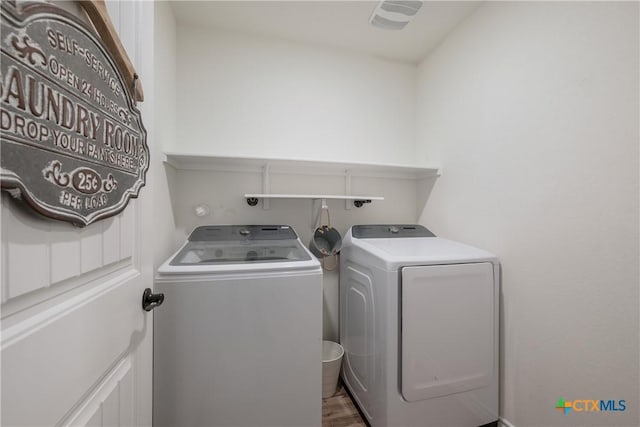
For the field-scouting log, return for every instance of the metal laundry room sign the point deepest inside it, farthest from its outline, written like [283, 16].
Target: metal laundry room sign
[73, 143]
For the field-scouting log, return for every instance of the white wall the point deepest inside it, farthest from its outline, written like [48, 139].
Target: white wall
[164, 97]
[247, 96]
[532, 111]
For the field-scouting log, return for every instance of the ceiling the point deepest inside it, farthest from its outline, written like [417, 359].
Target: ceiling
[339, 24]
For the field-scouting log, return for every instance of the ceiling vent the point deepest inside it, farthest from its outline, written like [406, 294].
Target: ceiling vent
[394, 15]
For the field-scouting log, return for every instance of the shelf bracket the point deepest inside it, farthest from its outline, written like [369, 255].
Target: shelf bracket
[347, 189]
[360, 203]
[266, 185]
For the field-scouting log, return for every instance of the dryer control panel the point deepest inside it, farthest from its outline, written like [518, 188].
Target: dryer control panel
[386, 231]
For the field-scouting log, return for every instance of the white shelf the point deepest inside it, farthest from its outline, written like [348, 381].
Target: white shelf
[311, 196]
[268, 167]
[187, 161]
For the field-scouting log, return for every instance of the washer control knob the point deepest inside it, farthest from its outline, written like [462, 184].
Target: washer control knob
[244, 232]
[394, 229]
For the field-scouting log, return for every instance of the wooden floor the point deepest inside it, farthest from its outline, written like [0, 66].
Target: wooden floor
[340, 411]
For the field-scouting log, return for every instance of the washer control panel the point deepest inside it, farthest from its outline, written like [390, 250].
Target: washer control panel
[233, 233]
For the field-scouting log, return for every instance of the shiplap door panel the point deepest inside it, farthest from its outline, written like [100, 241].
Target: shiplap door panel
[41, 254]
[75, 341]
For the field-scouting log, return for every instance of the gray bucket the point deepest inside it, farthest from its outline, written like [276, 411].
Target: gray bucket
[326, 241]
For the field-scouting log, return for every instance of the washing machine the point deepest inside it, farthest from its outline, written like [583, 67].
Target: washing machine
[238, 340]
[419, 326]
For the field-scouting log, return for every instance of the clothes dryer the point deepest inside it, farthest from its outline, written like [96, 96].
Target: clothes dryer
[238, 340]
[419, 326]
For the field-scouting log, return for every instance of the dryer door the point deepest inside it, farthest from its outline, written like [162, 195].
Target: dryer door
[448, 329]
[358, 335]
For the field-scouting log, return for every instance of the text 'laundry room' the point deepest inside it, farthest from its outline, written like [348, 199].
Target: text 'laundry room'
[320, 213]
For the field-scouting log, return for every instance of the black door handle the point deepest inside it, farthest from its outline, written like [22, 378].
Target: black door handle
[151, 300]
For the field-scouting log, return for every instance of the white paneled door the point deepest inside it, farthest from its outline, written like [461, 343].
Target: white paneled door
[76, 345]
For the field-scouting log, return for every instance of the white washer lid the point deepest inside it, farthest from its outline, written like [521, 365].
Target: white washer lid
[170, 270]
[240, 249]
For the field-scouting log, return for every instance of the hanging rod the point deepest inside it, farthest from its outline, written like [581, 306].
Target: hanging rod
[358, 201]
